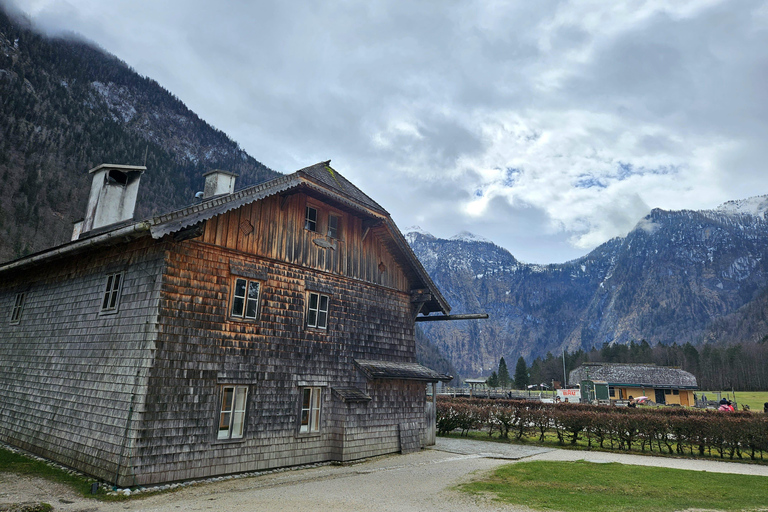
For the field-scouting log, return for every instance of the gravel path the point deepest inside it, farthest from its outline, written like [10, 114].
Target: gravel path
[421, 481]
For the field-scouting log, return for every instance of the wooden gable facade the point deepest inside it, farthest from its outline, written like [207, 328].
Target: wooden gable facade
[264, 328]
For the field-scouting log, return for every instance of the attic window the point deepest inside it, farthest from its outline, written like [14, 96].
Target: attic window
[333, 226]
[310, 220]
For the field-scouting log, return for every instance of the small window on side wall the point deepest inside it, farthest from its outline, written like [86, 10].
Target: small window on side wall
[317, 311]
[309, 419]
[245, 299]
[234, 400]
[18, 307]
[111, 298]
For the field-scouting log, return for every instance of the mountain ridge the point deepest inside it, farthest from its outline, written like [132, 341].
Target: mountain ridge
[678, 277]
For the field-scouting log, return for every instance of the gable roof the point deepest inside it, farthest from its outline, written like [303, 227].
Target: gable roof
[319, 180]
[628, 374]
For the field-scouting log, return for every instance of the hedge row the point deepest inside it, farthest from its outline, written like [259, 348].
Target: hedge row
[672, 430]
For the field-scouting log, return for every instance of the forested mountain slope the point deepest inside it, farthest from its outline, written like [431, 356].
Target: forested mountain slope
[67, 106]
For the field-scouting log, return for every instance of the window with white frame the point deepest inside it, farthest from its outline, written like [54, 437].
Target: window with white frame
[309, 419]
[112, 288]
[232, 416]
[18, 306]
[245, 299]
[317, 310]
[310, 219]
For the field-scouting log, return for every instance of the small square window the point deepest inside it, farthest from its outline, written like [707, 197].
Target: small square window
[334, 225]
[234, 400]
[317, 311]
[245, 299]
[310, 220]
[675, 391]
[112, 288]
[309, 419]
[18, 307]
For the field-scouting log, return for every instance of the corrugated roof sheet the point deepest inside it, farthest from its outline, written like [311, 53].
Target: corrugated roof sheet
[634, 374]
[405, 371]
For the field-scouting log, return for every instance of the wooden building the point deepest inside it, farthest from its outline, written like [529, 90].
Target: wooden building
[268, 327]
[662, 384]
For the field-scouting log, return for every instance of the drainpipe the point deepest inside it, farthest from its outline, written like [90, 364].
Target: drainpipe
[127, 428]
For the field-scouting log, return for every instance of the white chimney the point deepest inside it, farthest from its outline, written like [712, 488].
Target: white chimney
[113, 196]
[218, 182]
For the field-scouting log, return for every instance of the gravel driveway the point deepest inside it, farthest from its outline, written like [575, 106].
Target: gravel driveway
[420, 481]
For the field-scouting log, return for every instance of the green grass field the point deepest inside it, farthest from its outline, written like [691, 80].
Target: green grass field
[590, 487]
[754, 399]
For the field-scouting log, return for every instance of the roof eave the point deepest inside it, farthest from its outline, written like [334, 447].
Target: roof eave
[118, 235]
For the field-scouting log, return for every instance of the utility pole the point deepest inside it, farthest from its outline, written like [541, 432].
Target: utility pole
[565, 375]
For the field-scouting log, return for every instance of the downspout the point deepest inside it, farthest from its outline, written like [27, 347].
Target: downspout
[127, 428]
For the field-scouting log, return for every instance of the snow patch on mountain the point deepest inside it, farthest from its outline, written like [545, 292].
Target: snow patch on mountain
[466, 236]
[757, 206]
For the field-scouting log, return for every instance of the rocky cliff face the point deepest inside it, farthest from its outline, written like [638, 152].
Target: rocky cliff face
[679, 276]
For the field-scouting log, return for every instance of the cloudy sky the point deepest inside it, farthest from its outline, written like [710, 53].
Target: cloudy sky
[547, 127]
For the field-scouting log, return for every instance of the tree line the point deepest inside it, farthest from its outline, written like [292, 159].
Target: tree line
[741, 367]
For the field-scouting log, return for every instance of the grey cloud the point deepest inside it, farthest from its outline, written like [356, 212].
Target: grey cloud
[418, 103]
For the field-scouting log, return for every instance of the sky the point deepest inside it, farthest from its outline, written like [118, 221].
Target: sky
[547, 127]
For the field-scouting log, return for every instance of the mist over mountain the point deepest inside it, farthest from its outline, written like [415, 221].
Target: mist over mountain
[677, 277]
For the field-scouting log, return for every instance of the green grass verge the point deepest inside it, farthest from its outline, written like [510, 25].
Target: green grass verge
[591, 487]
[11, 462]
[551, 441]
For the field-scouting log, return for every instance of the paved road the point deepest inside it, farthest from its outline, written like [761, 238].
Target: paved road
[421, 481]
[515, 452]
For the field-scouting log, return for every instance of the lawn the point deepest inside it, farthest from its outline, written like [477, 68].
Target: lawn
[11, 462]
[754, 399]
[592, 487]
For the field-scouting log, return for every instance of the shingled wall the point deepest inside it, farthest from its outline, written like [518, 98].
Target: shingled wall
[134, 397]
[199, 348]
[71, 377]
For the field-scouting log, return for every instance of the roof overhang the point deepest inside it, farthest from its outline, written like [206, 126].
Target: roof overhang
[401, 371]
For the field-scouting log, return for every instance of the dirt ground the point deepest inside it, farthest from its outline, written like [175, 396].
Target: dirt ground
[423, 481]
[420, 481]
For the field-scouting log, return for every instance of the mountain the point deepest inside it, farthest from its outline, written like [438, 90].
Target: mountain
[67, 106]
[677, 277]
